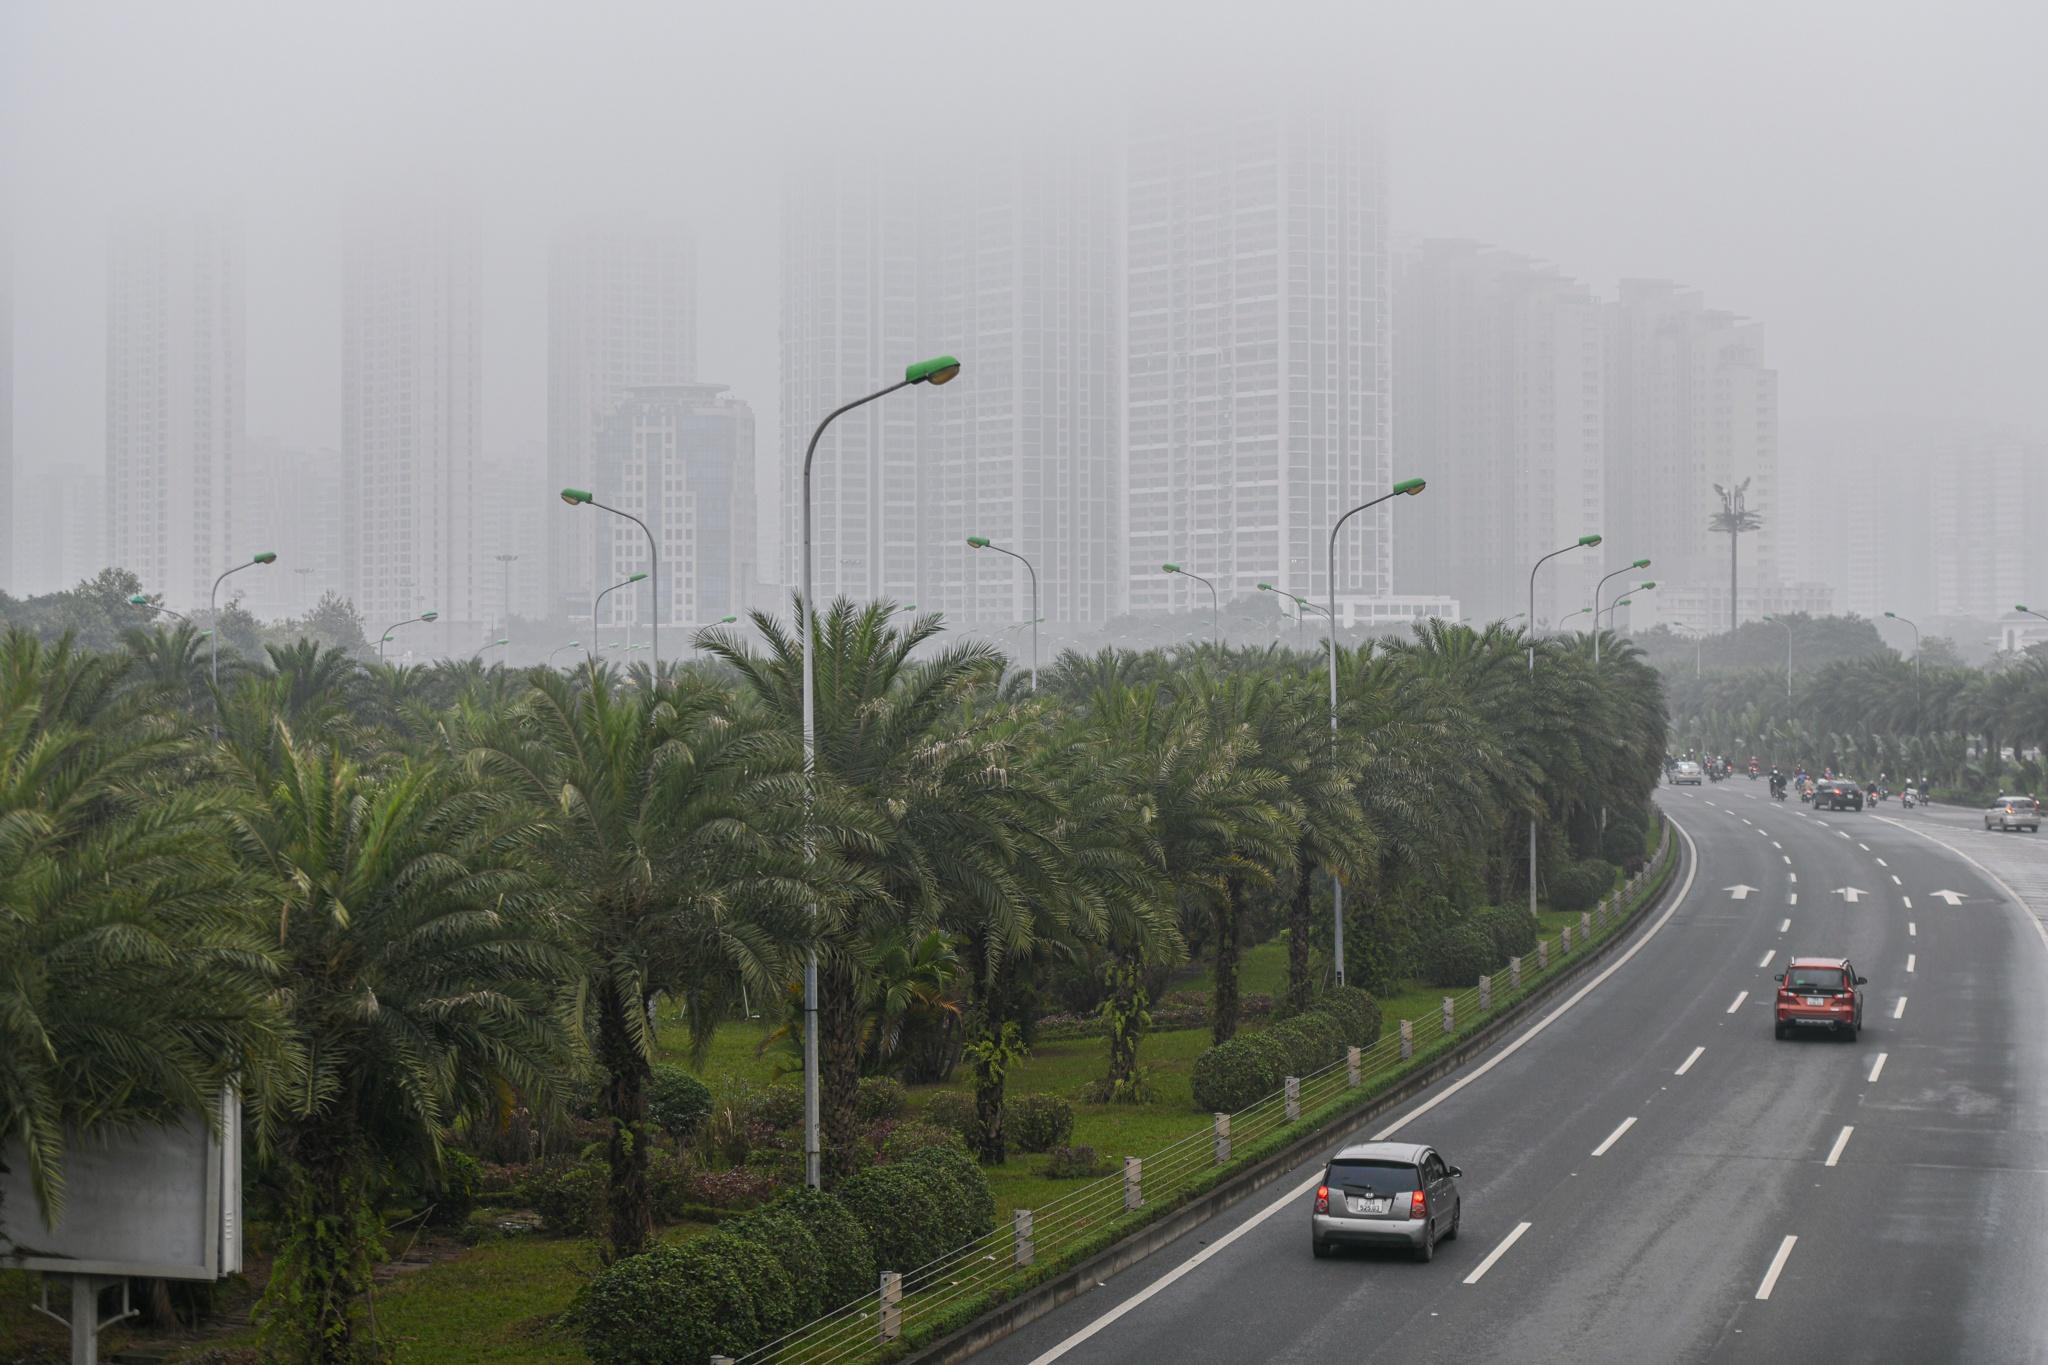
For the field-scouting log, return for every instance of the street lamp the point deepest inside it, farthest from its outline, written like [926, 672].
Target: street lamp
[1215, 607]
[1894, 616]
[142, 600]
[1626, 568]
[581, 497]
[938, 370]
[984, 543]
[1301, 604]
[629, 578]
[1405, 488]
[573, 644]
[505, 604]
[1640, 587]
[1581, 611]
[492, 645]
[1582, 543]
[1788, 652]
[212, 609]
[423, 616]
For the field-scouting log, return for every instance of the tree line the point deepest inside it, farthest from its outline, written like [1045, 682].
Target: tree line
[393, 904]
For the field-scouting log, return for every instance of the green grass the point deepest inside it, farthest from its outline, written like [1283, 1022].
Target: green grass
[497, 1302]
[1261, 970]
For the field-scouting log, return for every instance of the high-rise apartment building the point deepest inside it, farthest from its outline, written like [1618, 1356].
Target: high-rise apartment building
[64, 542]
[1499, 381]
[622, 313]
[517, 508]
[1258, 370]
[10, 502]
[174, 401]
[1986, 504]
[681, 458]
[411, 375]
[291, 502]
[1690, 404]
[1007, 259]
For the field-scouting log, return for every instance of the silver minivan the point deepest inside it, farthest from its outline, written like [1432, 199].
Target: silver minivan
[1391, 1194]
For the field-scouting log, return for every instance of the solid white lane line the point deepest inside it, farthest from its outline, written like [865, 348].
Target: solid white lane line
[1491, 1256]
[1835, 1152]
[1767, 958]
[1293, 1197]
[1786, 925]
[1909, 962]
[1738, 1002]
[1912, 929]
[1877, 1067]
[1899, 1010]
[1686, 1065]
[1763, 1291]
[1615, 1136]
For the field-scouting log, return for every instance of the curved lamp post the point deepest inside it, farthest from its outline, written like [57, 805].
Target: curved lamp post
[1582, 543]
[212, 610]
[1301, 604]
[492, 645]
[938, 370]
[1779, 620]
[423, 616]
[1581, 611]
[579, 497]
[1611, 606]
[1405, 488]
[1627, 568]
[984, 543]
[1215, 607]
[599, 601]
[142, 600]
[573, 644]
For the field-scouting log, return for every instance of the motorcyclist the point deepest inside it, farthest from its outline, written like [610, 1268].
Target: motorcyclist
[1777, 785]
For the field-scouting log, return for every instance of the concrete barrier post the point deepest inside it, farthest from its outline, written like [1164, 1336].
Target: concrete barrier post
[890, 1318]
[1564, 939]
[1134, 1183]
[1351, 1066]
[1222, 1139]
[1542, 954]
[1585, 926]
[1515, 972]
[1449, 1024]
[1020, 1220]
[1485, 993]
[1407, 1039]
[1293, 1098]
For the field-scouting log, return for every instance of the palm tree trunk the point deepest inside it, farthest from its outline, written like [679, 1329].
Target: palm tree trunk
[323, 1265]
[991, 1068]
[839, 1024]
[1126, 1010]
[1298, 932]
[628, 1204]
[1224, 1008]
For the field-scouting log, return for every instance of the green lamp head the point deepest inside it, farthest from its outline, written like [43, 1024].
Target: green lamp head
[496, 643]
[575, 496]
[1267, 587]
[978, 542]
[138, 600]
[1893, 615]
[1589, 540]
[1640, 564]
[1624, 601]
[1169, 568]
[1411, 486]
[266, 557]
[2021, 607]
[430, 616]
[1651, 584]
[635, 577]
[939, 369]
[727, 620]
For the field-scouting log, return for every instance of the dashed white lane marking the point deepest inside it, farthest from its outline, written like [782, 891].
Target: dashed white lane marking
[1776, 844]
[1786, 925]
[1823, 824]
[1793, 875]
[1788, 860]
[1738, 1002]
[1843, 832]
[1747, 821]
[1835, 1152]
[1792, 899]
[1865, 847]
[1763, 1291]
[1896, 881]
[1767, 958]
[1491, 1256]
[1882, 863]
[1615, 1136]
[1912, 929]
[1909, 961]
[1877, 1067]
[1686, 1065]
[1899, 1010]
[1908, 900]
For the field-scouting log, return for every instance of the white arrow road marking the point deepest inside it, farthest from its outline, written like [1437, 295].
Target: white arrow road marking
[1835, 1152]
[1615, 1136]
[1767, 958]
[1899, 1010]
[1786, 925]
[1954, 898]
[1740, 893]
[1493, 1255]
[1851, 894]
[1763, 1291]
[1686, 1065]
[1877, 1067]
[1909, 961]
[1738, 1002]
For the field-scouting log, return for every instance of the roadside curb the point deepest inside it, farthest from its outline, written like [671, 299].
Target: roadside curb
[1040, 1299]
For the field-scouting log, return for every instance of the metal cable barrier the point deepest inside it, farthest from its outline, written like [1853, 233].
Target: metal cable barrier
[918, 1304]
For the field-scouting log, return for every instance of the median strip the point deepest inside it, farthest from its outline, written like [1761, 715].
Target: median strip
[1496, 1253]
[1763, 1291]
[1835, 1152]
[1615, 1136]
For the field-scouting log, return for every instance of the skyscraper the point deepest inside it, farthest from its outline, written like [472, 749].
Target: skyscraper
[1258, 374]
[411, 375]
[174, 405]
[65, 541]
[622, 313]
[1008, 259]
[1498, 381]
[290, 500]
[9, 500]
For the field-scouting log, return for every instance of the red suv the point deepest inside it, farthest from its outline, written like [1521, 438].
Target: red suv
[1820, 992]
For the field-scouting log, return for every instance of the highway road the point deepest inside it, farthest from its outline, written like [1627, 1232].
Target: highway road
[1753, 1200]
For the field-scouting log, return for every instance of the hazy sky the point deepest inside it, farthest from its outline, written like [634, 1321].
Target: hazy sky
[1867, 179]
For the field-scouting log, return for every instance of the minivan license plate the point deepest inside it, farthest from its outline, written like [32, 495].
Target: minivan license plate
[1357, 1205]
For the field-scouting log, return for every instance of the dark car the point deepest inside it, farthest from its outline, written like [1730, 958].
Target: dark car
[1837, 794]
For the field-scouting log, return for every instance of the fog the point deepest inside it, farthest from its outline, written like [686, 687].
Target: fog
[1866, 180]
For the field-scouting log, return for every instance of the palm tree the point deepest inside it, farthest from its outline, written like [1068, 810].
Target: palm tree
[423, 974]
[670, 828]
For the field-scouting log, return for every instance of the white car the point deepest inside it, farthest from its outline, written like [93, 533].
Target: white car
[2013, 812]
[1687, 773]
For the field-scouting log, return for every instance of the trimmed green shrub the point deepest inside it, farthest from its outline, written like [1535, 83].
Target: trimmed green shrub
[1357, 1014]
[1460, 954]
[906, 1140]
[951, 1109]
[1039, 1123]
[453, 1197]
[568, 1197]
[1239, 1072]
[681, 1305]
[1312, 1041]
[1580, 885]
[773, 1106]
[1625, 841]
[977, 1199]
[1512, 929]
[677, 1102]
[954, 1194]
[842, 1241]
[879, 1098]
[761, 1271]
[900, 1211]
[1074, 1163]
[790, 1242]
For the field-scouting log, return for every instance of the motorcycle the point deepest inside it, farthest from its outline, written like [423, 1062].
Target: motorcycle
[1778, 792]
[1909, 799]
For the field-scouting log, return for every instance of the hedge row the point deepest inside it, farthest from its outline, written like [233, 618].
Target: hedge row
[1251, 1066]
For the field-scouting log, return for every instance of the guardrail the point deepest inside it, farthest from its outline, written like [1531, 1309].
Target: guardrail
[911, 1307]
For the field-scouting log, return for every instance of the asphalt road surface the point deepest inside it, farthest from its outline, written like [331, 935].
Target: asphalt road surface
[1755, 1200]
